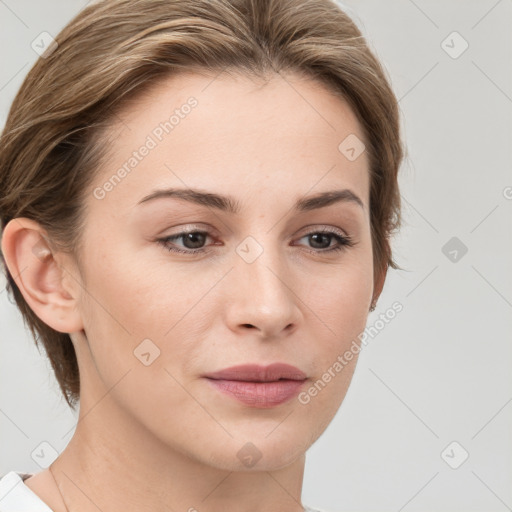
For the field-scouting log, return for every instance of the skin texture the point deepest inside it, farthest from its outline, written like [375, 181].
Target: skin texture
[159, 437]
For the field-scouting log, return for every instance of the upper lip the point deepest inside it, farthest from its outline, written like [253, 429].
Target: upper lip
[258, 373]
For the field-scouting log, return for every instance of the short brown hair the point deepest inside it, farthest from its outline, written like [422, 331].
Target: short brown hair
[52, 144]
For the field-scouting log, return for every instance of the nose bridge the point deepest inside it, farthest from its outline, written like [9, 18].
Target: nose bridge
[263, 296]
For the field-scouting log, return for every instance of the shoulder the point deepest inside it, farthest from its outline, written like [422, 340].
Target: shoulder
[15, 495]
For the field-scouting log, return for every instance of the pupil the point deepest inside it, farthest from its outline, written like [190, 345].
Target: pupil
[315, 237]
[192, 237]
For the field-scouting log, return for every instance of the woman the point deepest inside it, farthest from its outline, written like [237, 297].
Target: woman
[197, 203]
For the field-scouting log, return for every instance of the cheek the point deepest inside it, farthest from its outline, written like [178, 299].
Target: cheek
[340, 314]
[115, 306]
[342, 300]
[128, 301]
[132, 295]
[339, 311]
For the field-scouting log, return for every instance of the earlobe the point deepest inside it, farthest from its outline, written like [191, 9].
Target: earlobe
[39, 274]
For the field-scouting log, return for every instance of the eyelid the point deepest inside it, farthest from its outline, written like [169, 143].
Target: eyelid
[186, 228]
[315, 228]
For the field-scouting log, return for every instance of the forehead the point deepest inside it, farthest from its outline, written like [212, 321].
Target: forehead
[231, 132]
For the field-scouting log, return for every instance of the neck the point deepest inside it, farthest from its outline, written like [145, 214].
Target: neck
[113, 463]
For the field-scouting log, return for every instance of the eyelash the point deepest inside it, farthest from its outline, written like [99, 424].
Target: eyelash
[344, 241]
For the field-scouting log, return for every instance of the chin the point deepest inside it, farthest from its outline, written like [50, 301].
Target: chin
[258, 452]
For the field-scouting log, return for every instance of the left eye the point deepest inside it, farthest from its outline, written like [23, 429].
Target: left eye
[326, 237]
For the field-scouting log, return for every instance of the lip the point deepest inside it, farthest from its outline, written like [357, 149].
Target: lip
[258, 373]
[259, 386]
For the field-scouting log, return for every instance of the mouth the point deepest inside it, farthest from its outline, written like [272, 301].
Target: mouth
[259, 386]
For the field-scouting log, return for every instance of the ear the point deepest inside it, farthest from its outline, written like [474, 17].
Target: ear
[46, 279]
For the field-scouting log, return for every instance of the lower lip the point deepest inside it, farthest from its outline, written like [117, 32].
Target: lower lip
[259, 394]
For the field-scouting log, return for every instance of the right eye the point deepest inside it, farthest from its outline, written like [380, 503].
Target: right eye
[192, 240]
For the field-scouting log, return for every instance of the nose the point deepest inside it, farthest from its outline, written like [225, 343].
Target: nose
[262, 296]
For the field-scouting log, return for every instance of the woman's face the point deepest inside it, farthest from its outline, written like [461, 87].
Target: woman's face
[257, 283]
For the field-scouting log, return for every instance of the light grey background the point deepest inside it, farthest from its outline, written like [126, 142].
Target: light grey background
[440, 371]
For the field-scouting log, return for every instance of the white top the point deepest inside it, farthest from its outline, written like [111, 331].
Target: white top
[15, 496]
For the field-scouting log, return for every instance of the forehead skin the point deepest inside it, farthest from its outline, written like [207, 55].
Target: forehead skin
[281, 137]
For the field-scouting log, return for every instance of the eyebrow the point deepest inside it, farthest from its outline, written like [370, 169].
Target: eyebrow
[231, 205]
